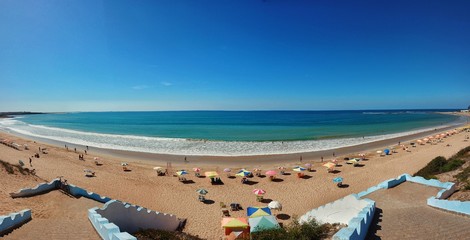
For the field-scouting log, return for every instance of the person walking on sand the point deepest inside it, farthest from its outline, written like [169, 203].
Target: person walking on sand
[300, 158]
[30, 162]
[321, 158]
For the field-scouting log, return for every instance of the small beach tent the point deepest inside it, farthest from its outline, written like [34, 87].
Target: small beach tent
[258, 211]
[387, 151]
[263, 223]
[238, 225]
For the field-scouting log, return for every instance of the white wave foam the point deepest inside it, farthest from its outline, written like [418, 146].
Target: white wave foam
[177, 146]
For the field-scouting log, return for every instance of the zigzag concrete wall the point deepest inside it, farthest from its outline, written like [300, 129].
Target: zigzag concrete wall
[358, 226]
[13, 220]
[107, 230]
[130, 218]
[339, 211]
[77, 191]
[454, 206]
[39, 189]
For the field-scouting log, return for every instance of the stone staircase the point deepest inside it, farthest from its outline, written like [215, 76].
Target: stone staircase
[68, 220]
[402, 213]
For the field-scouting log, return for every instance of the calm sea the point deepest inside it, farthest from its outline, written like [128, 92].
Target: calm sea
[227, 133]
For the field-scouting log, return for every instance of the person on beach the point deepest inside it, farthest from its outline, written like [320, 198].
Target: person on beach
[300, 158]
[321, 158]
[85, 152]
[30, 162]
[86, 147]
[333, 154]
[75, 149]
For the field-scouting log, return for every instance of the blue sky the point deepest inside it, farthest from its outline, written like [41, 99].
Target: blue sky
[233, 55]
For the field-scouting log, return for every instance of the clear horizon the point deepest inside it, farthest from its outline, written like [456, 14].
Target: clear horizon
[81, 56]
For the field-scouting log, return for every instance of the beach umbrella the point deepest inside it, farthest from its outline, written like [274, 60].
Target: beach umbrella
[258, 191]
[211, 174]
[329, 165]
[308, 165]
[181, 172]
[387, 151]
[338, 179]
[258, 211]
[243, 173]
[298, 169]
[256, 170]
[379, 152]
[227, 170]
[271, 173]
[96, 158]
[263, 223]
[426, 139]
[275, 205]
[196, 169]
[234, 222]
[352, 161]
[202, 191]
[281, 168]
[158, 169]
[124, 164]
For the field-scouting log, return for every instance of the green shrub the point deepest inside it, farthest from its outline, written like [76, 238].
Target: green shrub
[295, 231]
[451, 165]
[464, 175]
[153, 234]
[432, 168]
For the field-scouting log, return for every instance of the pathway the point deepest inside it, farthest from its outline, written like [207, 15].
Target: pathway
[402, 213]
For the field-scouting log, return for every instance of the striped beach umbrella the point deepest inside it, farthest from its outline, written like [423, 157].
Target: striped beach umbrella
[227, 170]
[258, 191]
[181, 172]
[196, 169]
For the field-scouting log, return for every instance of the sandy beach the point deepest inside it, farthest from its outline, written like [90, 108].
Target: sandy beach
[143, 187]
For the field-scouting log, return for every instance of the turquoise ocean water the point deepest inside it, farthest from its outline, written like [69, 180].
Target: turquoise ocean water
[227, 133]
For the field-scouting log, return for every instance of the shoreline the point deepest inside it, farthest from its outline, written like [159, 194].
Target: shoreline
[248, 160]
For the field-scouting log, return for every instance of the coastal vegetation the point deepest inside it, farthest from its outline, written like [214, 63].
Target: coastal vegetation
[311, 230]
[12, 168]
[459, 162]
[294, 231]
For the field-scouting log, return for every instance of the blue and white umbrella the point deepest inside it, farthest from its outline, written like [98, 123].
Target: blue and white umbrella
[338, 180]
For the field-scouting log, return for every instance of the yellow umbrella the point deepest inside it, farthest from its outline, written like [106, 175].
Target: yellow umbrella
[329, 165]
[211, 174]
[234, 222]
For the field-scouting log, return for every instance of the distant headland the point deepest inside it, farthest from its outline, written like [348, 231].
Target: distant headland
[10, 114]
